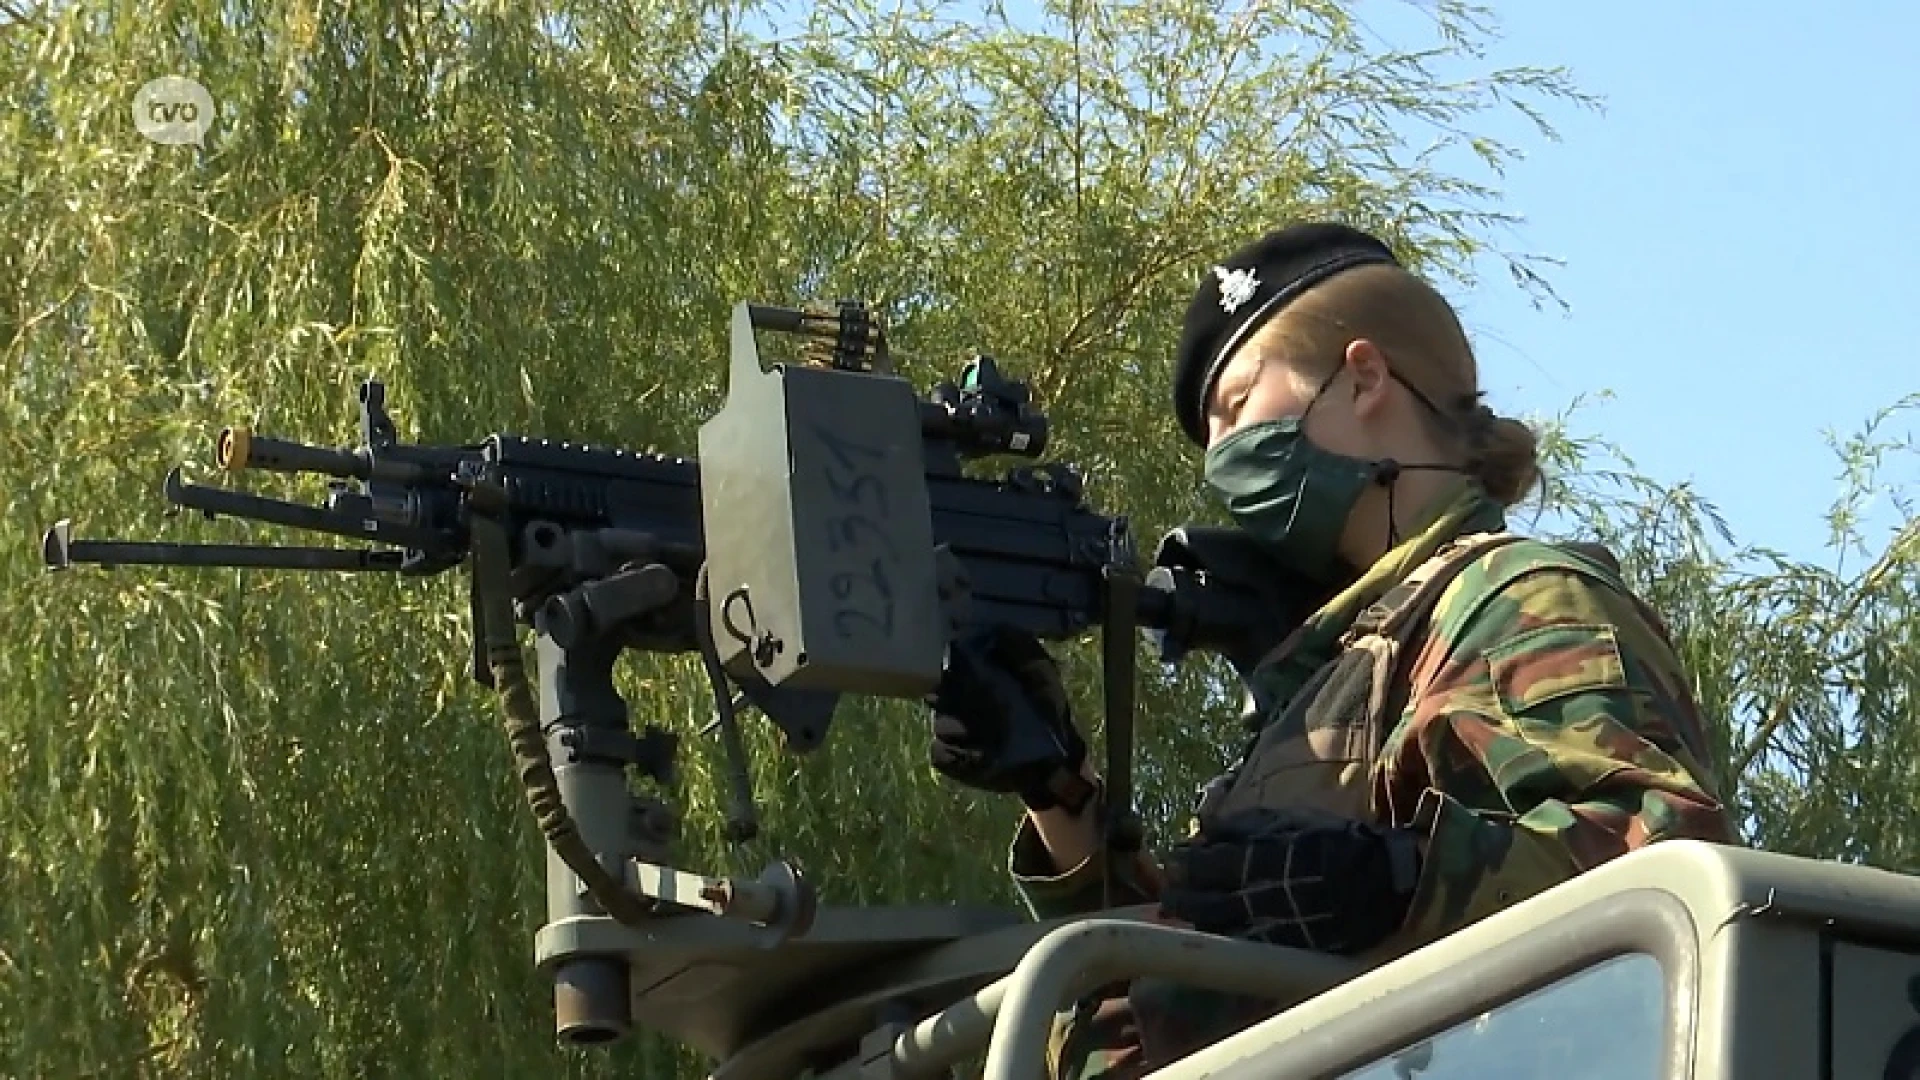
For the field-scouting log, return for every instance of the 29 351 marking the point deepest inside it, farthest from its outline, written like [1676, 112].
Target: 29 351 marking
[863, 590]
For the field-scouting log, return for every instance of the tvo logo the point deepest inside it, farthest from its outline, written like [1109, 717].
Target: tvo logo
[173, 110]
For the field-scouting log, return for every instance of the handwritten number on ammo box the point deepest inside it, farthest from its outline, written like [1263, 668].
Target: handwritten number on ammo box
[856, 538]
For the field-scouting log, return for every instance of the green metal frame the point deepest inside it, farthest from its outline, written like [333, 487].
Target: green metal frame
[1773, 967]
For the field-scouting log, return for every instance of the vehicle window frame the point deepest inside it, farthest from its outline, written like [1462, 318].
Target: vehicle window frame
[1513, 1032]
[1643, 920]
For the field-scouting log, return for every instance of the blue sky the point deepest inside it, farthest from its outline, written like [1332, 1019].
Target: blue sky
[1738, 225]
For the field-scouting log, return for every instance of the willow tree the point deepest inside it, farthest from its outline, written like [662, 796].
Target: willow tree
[262, 824]
[1809, 665]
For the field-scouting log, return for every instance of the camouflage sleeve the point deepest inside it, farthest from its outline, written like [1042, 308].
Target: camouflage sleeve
[1050, 893]
[1551, 730]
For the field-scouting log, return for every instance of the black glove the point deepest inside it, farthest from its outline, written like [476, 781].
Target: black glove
[1001, 722]
[1300, 878]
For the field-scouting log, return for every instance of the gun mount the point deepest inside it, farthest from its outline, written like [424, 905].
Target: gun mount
[827, 541]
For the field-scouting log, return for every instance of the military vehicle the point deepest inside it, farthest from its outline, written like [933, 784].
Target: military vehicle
[1680, 961]
[829, 541]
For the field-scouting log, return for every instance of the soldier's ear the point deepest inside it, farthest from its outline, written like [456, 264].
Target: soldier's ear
[1368, 375]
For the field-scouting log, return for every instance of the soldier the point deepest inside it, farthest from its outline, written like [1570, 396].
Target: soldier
[1470, 717]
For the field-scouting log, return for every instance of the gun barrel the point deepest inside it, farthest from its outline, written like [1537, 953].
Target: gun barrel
[239, 449]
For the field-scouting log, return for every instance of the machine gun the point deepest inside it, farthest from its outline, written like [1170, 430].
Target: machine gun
[827, 541]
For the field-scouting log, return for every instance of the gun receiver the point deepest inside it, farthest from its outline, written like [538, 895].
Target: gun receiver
[827, 541]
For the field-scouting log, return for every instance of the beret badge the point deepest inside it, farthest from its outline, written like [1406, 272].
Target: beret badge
[1236, 287]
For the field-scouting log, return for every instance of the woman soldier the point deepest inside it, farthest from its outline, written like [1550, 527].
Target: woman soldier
[1471, 718]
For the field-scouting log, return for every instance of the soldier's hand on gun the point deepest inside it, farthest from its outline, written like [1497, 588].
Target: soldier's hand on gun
[1299, 878]
[1001, 720]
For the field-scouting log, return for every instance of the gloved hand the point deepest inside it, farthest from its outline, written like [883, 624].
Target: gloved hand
[1300, 878]
[1002, 724]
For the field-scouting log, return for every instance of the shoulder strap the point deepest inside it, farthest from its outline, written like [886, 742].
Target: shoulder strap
[1403, 609]
[1402, 613]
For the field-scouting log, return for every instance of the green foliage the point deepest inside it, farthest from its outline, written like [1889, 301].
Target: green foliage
[262, 825]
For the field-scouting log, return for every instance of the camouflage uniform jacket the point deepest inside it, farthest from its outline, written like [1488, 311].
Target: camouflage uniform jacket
[1534, 722]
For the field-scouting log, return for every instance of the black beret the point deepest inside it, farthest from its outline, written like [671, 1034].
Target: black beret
[1239, 294]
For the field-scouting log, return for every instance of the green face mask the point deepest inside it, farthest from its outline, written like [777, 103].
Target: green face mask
[1289, 494]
